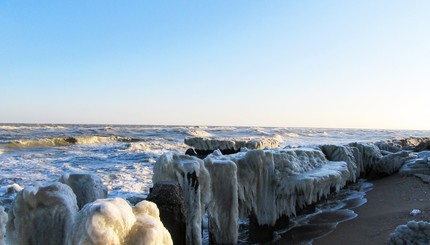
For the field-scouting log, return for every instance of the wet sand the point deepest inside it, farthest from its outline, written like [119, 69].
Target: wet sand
[389, 205]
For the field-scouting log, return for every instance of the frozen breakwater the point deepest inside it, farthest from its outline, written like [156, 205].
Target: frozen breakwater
[268, 183]
[273, 183]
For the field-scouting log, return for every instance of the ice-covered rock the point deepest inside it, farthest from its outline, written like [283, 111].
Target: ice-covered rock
[388, 146]
[3, 221]
[414, 232]
[87, 187]
[345, 154]
[391, 163]
[41, 215]
[191, 173]
[114, 221]
[229, 145]
[223, 207]
[415, 166]
[370, 160]
[274, 183]
[415, 212]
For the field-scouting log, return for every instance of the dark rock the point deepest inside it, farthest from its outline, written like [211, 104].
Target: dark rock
[265, 233]
[170, 201]
[191, 152]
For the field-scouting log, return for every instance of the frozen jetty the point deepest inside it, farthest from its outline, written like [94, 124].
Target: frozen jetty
[271, 183]
[268, 183]
[206, 146]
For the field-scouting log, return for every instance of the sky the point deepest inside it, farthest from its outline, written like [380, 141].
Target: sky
[335, 64]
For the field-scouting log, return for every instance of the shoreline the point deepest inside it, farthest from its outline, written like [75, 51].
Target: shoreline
[388, 205]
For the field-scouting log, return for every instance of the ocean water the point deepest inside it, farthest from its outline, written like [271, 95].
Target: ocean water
[124, 155]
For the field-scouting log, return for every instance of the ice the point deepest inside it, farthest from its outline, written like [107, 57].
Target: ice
[41, 215]
[225, 144]
[268, 183]
[367, 158]
[87, 187]
[3, 221]
[414, 232]
[192, 175]
[415, 212]
[346, 154]
[223, 206]
[415, 166]
[114, 221]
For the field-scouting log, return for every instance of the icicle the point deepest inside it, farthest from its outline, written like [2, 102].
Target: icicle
[223, 207]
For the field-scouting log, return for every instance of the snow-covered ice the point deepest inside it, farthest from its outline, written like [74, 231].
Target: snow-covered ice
[114, 221]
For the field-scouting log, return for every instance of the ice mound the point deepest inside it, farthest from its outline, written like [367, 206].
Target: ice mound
[41, 215]
[193, 177]
[3, 221]
[114, 221]
[87, 187]
[411, 143]
[229, 145]
[414, 232]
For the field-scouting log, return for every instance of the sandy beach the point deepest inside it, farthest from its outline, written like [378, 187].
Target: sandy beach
[389, 205]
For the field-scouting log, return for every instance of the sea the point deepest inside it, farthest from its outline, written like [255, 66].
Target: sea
[124, 155]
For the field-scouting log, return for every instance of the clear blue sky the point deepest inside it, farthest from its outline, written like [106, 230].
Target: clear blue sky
[353, 64]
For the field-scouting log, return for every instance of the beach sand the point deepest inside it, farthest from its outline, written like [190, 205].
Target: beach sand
[389, 205]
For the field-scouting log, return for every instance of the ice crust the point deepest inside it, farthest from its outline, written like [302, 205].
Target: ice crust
[41, 215]
[414, 232]
[223, 206]
[211, 144]
[3, 221]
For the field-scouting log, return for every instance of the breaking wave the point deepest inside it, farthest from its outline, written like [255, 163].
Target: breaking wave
[199, 133]
[67, 141]
[138, 147]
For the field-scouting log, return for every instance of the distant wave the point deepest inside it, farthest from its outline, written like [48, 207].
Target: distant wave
[30, 127]
[137, 147]
[67, 141]
[199, 133]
